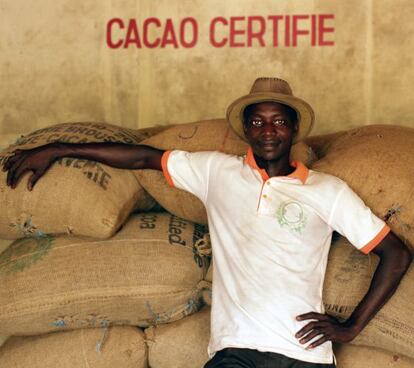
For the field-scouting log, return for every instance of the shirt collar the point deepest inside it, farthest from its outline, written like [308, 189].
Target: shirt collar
[301, 171]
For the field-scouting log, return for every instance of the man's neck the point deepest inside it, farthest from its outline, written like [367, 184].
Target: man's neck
[279, 167]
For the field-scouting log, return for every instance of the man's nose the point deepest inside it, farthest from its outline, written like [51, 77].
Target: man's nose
[269, 129]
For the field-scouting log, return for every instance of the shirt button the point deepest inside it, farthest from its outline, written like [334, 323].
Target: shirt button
[268, 183]
[264, 195]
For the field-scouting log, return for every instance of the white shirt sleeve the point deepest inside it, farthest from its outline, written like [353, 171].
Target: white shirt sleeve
[354, 220]
[189, 171]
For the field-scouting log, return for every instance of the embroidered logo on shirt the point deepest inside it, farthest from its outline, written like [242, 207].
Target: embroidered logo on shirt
[290, 214]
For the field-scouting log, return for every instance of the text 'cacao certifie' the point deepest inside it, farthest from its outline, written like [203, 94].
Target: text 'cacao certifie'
[237, 31]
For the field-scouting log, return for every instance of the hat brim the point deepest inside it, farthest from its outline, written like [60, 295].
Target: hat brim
[306, 115]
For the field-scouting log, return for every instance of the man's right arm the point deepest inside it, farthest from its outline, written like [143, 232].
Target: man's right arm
[119, 155]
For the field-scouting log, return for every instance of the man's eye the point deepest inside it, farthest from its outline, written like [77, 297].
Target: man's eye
[257, 123]
[279, 122]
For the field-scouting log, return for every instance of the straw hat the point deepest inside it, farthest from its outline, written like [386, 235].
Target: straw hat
[271, 89]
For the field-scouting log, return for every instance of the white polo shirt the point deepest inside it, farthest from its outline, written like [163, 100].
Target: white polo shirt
[270, 239]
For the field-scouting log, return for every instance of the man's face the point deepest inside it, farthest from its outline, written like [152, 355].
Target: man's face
[270, 130]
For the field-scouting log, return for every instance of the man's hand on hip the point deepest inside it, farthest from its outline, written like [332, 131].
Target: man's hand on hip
[326, 327]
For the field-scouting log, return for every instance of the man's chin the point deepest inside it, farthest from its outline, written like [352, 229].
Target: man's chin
[268, 155]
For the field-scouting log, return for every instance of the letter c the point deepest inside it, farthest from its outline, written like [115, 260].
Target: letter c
[213, 30]
[147, 43]
[109, 35]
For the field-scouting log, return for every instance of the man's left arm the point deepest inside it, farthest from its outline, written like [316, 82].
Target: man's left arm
[395, 258]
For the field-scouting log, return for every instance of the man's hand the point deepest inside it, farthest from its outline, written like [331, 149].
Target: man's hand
[327, 327]
[37, 160]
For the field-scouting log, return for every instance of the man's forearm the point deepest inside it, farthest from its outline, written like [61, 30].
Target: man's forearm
[117, 155]
[394, 262]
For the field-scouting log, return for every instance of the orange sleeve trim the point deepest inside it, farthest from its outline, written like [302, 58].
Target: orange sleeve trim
[378, 238]
[164, 161]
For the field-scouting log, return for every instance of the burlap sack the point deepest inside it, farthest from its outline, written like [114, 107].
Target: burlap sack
[208, 135]
[320, 143]
[75, 196]
[349, 356]
[209, 274]
[145, 133]
[180, 344]
[78, 132]
[121, 347]
[4, 243]
[347, 280]
[85, 132]
[3, 339]
[148, 273]
[378, 163]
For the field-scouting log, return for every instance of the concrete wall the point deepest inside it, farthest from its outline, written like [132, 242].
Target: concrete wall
[56, 65]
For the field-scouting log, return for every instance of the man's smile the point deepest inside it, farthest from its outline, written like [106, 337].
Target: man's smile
[269, 143]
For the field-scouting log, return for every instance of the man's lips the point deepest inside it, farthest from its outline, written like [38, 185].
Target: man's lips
[269, 143]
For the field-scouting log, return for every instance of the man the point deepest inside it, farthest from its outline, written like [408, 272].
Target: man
[270, 222]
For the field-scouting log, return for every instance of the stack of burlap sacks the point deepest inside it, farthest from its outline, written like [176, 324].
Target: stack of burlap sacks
[113, 267]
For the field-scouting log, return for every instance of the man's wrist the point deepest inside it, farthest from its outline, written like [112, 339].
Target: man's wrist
[355, 327]
[58, 150]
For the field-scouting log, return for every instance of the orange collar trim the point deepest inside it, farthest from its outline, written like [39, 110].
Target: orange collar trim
[301, 172]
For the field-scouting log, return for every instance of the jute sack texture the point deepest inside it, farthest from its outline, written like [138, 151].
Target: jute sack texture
[145, 133]
[85, 132]
[122, 347]
[206, 135]
[320, 143]
[349, 356]
[347, 280]
[75, 196]
[4, 243]
[377, 162]
[148, 273]
[209, 274]
[180, 344]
